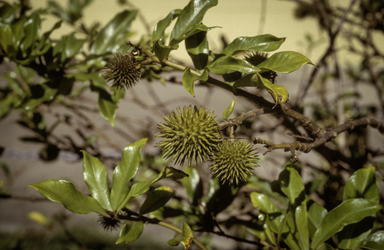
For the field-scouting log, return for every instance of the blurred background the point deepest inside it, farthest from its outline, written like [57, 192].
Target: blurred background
[234, 18]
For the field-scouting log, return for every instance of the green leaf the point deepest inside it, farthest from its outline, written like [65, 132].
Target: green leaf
[68, 47]
[198, 49]
[193, 185]
[124, 172]
[348, 212]
[114, 33]
[265, 206]
[156, 199]
[64, 192]
[31, 31]
[189, 79]
[175, 241]
[362, 184]
[325, 246]
[159, 30]
[284, 62]
[142, 187]
[6, 35]
[292, 186]
[228, 111]
[316, 214]
[230, 64]
[191, 15]
[187, 236]
[374, 241]
[162, 51]
[265, 43]
[354, 234]
[39, 94]
[96, 177]
[130, 232]
[107, 107]
[279, 93]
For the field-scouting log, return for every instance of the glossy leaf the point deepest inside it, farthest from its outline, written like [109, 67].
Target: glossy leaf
[68, 46]
[264, 204]
[265, 43]
[31, 31]
[193, 185]
[354, 234]
[156, 199]
[142, 187]
[292, 186]
[316, 214]
[123, 173]
[40, 94]
[114, 33]
[348, 212]
[278, 92]
[64, 192]
[187, 236]
[189, 80]
[230, 64]
[191, 15]
[228, 111]
[362, 184]
[106, 106]
[198, 49]
[6, 35]
[374, 241]
[162, 51]
[130, 232]
[159, 30]
[284, 62]
[96, 177]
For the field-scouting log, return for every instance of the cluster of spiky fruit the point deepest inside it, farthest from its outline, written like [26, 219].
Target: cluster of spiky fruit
[192, 133]
[123, 69]
[233, 161]
[255, 59]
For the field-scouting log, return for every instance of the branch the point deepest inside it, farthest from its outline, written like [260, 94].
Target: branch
[323, 138]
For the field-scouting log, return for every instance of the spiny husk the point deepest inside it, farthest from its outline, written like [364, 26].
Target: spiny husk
[123, 70]
[255, 58]
[233, 161]
[190, 134]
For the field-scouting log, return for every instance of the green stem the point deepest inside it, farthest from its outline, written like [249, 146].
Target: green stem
[178, 230]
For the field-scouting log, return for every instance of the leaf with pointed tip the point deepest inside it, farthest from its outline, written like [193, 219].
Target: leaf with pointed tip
[189, 80]
[130, 232]
[96, 177]
[159, 30]
[230, 64]
[114, 33]
[348, 212]
[106, 106]
[284, 62]
[191, 15]
[228, 111]
[264, 42]
[64, 192]
[157, 199]
[124, 172]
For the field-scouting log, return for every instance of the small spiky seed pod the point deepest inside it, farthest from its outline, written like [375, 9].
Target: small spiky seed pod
[109, 223]
[256, 58]
[190, 134]
[233, 161]
[123, 70]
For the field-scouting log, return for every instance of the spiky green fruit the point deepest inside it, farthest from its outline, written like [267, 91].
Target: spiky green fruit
[123, 69]
[233, 161]
[189, 134]
[255, 59]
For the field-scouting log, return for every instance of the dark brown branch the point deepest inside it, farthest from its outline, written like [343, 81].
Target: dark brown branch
[321, 140]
